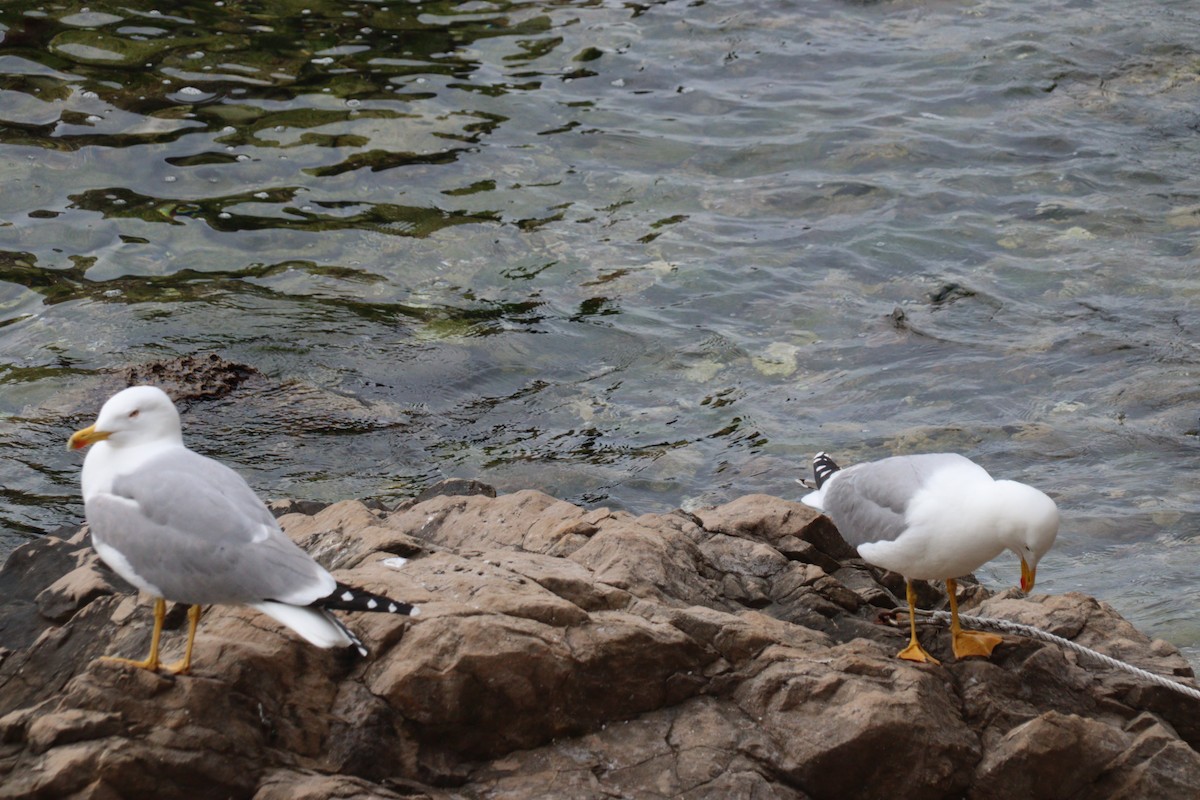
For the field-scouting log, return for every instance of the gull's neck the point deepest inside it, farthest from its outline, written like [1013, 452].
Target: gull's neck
[105, 462]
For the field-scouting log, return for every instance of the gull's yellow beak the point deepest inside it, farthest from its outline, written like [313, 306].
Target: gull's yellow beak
[1028, 574]
[89, 435]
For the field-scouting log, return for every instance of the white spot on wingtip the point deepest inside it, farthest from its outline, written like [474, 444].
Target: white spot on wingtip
[395, 563]
[371, 604]
[347, 595]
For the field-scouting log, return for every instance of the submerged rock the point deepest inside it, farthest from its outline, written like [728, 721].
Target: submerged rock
[576, 653]
[191, 377]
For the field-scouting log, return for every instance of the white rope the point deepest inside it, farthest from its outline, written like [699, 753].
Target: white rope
[1037, 633]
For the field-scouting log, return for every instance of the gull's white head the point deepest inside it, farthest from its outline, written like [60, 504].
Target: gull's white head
[1029, 527]
[134, 416]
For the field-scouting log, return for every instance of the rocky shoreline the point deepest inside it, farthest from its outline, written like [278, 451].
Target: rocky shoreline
[577, 653]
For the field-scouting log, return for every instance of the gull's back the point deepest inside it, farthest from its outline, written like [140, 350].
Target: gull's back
[869, 502]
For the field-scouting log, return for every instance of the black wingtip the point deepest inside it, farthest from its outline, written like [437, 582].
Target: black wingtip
[355, 642]
[350, 598]
[823, 467]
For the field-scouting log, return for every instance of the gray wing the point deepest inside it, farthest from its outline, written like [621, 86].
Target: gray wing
[867, 502]
[195, 529]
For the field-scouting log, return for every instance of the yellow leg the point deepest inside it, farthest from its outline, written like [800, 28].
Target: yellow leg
[151, 662]
[967, 643]
[914, 651]
[182, 667]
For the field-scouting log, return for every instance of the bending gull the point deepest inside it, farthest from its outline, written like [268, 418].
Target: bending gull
[935, 517]
[186, 528]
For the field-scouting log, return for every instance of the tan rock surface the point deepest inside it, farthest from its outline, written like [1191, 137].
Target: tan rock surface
[576, 653]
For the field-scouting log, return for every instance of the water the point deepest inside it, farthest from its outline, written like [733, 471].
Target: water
[640, 255]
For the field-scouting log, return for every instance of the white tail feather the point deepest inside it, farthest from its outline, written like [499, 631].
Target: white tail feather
[315, 625]
[815, 499]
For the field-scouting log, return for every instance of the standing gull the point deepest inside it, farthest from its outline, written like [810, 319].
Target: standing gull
[935, 517]
[186, 528]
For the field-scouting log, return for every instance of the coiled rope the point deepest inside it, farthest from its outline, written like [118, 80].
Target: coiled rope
[1007, 626]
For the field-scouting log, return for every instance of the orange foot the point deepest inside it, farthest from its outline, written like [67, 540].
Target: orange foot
[914, 652]
[181, 667]
[974, 643]
[151, 663]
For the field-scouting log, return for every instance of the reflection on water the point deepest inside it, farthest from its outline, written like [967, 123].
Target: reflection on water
[640, 255]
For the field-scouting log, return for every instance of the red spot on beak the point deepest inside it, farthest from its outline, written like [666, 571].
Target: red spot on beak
[1028, 575]
[81, 439]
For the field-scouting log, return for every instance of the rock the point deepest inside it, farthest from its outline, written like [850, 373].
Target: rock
[192, 377]
[856, 723]
[701, 748]
[29, 571]
[1065, 756]
[59, 601]
[455, 487]
[310, 785]
[227, 393]
[737, 652]
[1052, 756]
[1156, 764]
[661, 563]
[72, 725]
[771, 520]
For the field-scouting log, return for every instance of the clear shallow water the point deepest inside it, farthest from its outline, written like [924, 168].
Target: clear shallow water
[636, 255]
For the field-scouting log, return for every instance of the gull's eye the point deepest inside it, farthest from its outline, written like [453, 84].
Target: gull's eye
[134, 413]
